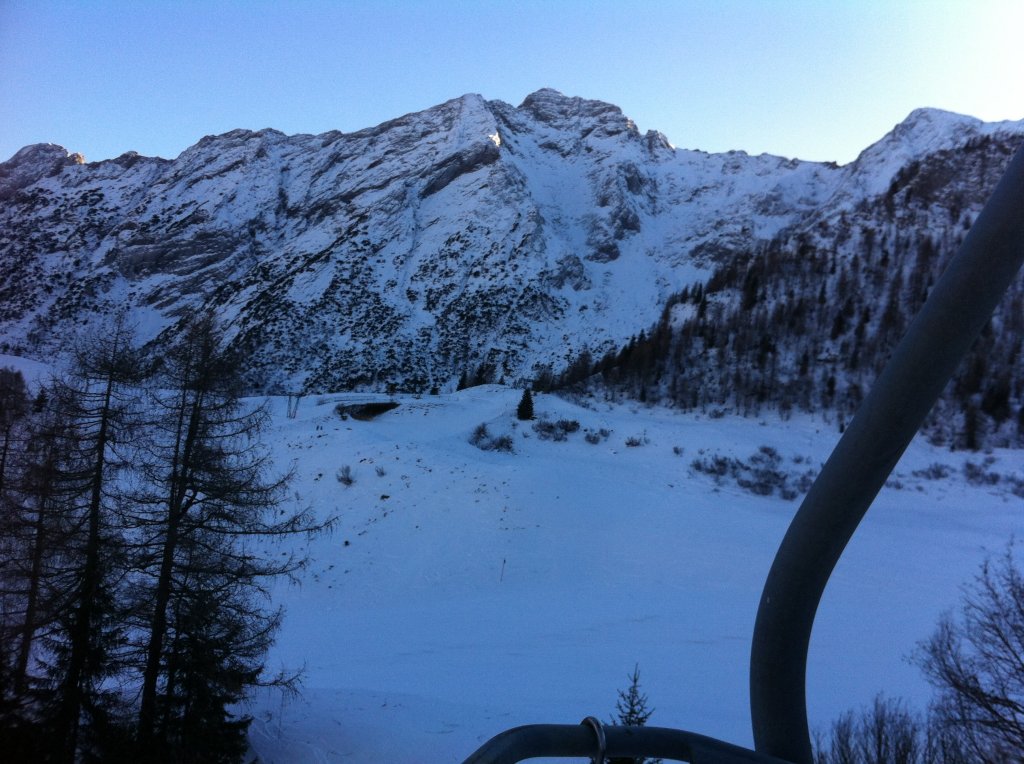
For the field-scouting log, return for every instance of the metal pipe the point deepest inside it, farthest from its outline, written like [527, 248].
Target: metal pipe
[955, 313]
[579, 741]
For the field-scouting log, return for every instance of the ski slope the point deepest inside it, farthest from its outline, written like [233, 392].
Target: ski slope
[467, 591]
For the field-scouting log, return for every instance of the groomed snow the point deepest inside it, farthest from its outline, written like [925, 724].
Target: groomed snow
[465, 592]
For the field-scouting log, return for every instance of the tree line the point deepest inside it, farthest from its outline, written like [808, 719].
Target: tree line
[138, 508]
[807, 320]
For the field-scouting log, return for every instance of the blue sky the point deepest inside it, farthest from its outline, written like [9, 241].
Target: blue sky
[815, 80]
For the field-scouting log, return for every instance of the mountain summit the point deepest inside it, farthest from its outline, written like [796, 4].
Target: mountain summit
[471, 235]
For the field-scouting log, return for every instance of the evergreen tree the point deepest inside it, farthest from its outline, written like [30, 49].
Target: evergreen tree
[208, 495]
[524, 411]
[130, 554]
[579, 370]
[970, 437]
[65, 558]
[631, 711]
[84, 650]
[31, 576]
[20, 575]
[14, 406]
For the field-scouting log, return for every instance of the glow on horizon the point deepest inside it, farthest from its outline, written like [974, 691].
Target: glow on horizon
[801, 78]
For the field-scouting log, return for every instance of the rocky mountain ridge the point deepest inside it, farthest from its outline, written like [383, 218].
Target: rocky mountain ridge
[471, 235]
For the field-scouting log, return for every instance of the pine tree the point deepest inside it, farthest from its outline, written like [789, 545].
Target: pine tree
[130, 555]
[32, 577]
[208, 493]
[631, 711]
[524, 411]
[970, 437]
[99, 405]
[41, 540]
[19, 578]
[14, 406]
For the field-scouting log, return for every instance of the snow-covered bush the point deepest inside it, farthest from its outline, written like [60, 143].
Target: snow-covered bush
[763, 474]
[556, 431]
[980, 474]
[482, 439]
[345, 475]
[501, 443]
[934, 471]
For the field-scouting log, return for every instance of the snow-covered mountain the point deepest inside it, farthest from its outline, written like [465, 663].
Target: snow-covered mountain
[470, 234]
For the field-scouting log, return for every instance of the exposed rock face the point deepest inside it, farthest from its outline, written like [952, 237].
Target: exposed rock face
[32, 164]
[473, 232]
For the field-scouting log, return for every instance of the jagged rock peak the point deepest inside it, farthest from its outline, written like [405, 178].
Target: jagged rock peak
[44, 155]
[657, 141]
[927, 129]
[550, 106]
[32, 163]
[924, 129]
[37, 153]
[240, 136]
[930, 114]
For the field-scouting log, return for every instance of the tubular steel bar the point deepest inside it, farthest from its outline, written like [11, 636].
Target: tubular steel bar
[579, 741]
[941, 334]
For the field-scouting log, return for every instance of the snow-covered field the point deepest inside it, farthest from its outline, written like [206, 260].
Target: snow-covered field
[466, 591]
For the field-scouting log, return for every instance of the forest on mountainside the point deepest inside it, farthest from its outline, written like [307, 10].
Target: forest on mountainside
[807, 321]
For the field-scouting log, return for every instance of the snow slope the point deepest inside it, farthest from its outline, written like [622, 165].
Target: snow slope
[466, 592]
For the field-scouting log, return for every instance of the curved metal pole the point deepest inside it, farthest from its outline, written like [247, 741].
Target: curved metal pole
[579, 741]
[938, 338]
